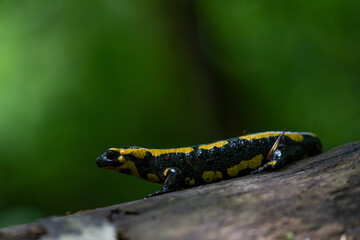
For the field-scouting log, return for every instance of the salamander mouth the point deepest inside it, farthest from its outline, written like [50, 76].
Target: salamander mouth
[104, 162]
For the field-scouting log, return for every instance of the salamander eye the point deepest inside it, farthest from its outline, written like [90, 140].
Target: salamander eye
[112, 155]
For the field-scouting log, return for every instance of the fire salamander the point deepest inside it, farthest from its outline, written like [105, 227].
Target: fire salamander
[179, 168]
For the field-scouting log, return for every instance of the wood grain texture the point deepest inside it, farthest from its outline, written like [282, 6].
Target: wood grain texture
[316, 198]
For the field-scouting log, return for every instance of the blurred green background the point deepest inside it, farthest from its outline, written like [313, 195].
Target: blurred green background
[79, 77]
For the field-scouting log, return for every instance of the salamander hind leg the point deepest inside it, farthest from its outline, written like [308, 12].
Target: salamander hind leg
[276, 156]
[174, 181]
[277, 159]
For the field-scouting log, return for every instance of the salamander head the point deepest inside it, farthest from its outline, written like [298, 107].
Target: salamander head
[110, 158]
[122, 159]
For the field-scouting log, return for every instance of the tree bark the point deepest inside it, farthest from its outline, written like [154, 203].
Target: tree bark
[315, 198]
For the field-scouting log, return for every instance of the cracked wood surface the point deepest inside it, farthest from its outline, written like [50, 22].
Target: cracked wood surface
[315, 198]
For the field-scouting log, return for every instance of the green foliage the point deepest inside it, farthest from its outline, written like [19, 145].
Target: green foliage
[76, 79]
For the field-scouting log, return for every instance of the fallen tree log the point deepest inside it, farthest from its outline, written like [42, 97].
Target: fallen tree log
[316, 198]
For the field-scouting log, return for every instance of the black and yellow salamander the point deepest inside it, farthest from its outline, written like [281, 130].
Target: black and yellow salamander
[179, 168]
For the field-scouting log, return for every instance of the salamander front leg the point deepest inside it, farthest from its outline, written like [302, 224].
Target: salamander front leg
[174, 181]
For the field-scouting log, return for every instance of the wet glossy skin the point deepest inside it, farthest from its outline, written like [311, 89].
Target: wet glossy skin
[206, 163]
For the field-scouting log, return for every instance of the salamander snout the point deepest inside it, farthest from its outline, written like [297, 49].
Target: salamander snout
[109, 158]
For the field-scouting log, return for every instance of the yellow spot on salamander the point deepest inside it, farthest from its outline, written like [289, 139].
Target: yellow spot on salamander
[218, 144]
[122, 159]
[139, 153]
[253, 163]
[211, 176]
[158, 152]
[130, 165]
[293, 136]
[189, 181]
[272, 162]
[152, 177]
